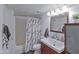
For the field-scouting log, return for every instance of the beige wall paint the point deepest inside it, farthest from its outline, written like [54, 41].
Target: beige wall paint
[20, 30]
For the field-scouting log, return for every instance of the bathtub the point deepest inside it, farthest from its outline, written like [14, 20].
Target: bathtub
[54, 44]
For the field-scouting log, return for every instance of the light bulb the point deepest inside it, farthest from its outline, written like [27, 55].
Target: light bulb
[48, 14]
[64, 9]
[71, 13]
[52, 12]
[57, 12]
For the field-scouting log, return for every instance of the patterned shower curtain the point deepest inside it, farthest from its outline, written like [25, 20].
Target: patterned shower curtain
[32, 32]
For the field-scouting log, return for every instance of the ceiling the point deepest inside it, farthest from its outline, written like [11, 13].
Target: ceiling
[34, 9]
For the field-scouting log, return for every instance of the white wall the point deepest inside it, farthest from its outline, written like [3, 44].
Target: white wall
[7, 16]
[10, 21]
[1, 20]
[44, 23]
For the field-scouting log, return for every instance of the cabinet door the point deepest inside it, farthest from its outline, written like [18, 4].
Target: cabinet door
[46, 50]
[43, 49]
[49, 50]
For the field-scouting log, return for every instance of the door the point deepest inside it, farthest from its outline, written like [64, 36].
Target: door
[72, 38]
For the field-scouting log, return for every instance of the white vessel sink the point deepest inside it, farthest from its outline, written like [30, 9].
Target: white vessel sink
[54, 44]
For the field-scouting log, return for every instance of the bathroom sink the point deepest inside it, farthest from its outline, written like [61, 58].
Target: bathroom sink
[54, 44]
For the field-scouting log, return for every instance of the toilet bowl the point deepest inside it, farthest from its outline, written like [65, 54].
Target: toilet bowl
[37, 48]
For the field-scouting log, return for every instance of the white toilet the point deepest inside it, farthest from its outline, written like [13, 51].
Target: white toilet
[37, 48]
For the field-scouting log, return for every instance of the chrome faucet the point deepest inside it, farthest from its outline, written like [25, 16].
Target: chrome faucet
[55, 37]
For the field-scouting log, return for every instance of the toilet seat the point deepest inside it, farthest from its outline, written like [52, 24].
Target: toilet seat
[36, 46]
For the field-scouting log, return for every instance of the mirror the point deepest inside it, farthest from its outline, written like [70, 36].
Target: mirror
[57, 22]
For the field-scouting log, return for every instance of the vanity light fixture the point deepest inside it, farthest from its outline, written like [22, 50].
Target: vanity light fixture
[71, 13]
[52, 13]
[57, 11]
[64, 9]
[48, 13]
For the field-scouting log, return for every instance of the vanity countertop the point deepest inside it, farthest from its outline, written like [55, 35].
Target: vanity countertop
[54, 44]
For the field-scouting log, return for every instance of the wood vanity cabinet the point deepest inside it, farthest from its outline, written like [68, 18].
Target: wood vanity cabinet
[46, 50]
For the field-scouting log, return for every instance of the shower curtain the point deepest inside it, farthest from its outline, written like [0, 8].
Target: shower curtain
[32, 33]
